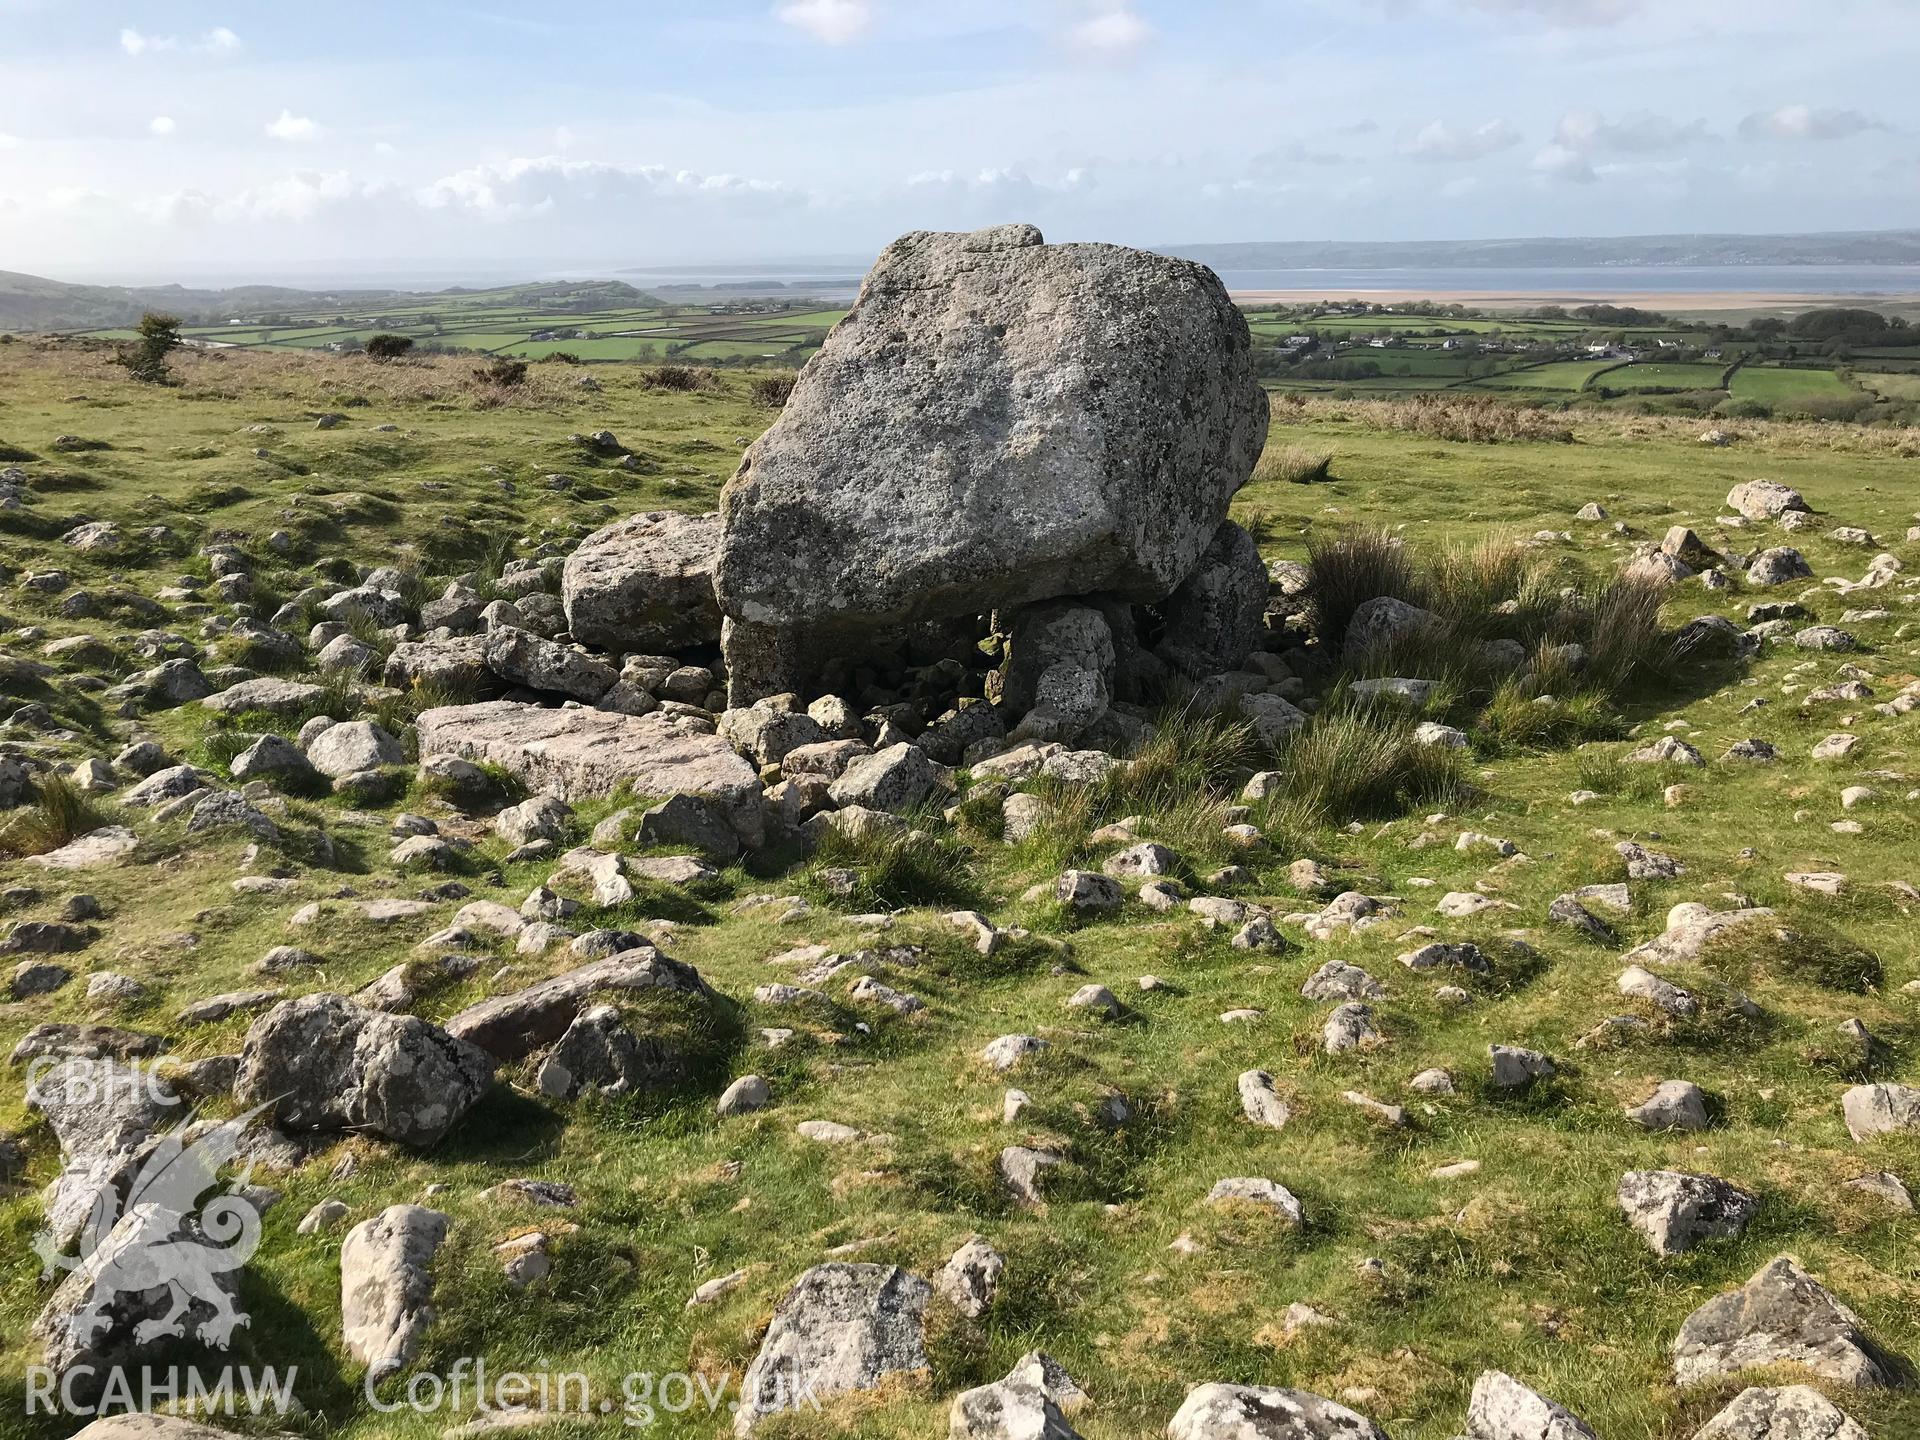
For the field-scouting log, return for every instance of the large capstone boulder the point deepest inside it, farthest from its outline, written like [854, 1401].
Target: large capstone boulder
[325, 1063]
[842, 1327]
[1213, 620]
[1265, 1412]
[644, 583]
[1782, 1316]
[581, 754]
[997, 421]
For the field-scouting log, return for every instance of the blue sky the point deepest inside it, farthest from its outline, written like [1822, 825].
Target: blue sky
[255, 136]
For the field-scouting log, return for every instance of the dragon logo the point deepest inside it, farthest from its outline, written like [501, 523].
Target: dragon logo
[152, 1236]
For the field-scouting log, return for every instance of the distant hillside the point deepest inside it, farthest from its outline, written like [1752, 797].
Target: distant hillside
[30, 303]
[1876, 247]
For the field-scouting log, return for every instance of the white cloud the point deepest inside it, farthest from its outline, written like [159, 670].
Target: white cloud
[160, 125]
[1113, 30]
[1640, 133]
[1805, 122]
[1565, 12]
[549, 184]
[385, 147]
[837, 22]
[217, 41]
[9, 142]
[293, 127]
[1460, 187]
[1440, 142]
[1562, 162]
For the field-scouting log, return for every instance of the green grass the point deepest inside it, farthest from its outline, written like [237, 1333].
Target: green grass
[1525, 1265]
[1664, 375]
[1779, 386]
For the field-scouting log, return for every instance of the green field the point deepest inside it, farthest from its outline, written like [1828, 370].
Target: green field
[1560, 376]
[503, 322]
[1780, 386]
[1660, 375]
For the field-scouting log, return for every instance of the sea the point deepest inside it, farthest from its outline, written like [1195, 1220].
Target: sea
[829, 282]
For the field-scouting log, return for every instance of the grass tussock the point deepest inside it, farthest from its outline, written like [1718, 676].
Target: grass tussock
[1354, 566]
[1294, 465]
[1523, 649]
[1363, 762]
[59, 813]
[895, 869]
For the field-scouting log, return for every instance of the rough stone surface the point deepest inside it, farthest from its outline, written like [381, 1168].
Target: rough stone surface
[586, 754]
[842, 1327]
[1504, 1409]
[1781, 1412]
[386, 1286]
[1213, 620]
[1263, 1412]
[1782, 1316]
[512, 1026]
[644, 583]
[325, 1063]
[1674, 1211]
[1081, 416]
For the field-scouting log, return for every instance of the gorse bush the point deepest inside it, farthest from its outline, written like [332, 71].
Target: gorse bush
[501, 374]
[673, 377]
[772, 391]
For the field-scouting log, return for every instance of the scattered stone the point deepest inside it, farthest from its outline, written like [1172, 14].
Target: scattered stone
[1782, 1316]
[842, 1327]
[386, 1286]
[1674, 1212]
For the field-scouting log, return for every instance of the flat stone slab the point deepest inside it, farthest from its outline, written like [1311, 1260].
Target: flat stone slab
[107, 846]
[580, 754]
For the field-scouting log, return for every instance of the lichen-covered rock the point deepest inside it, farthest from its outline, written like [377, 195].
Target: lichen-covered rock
[1213, 620]
[1383, 622]
[1674, 1211]
[1781, 1412]
[1782, 1316]
[325, 1063]
[1076, 418]
[586, 754]
[1503, 1409]
[512, 1026]
[1265, 1412]
[644, 583]
[386, 1286]
[1764, 499]
[842, 1327]
[524, 658]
